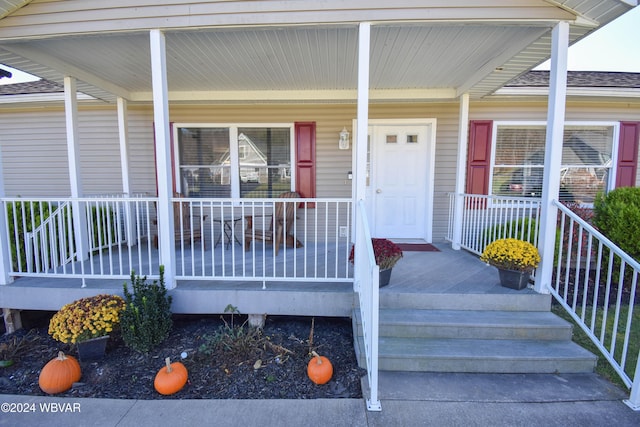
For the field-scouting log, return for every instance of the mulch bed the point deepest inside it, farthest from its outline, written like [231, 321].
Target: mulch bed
[283, 352]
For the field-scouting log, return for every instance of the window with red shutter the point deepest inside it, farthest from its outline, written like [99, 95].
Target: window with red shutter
[627, 167]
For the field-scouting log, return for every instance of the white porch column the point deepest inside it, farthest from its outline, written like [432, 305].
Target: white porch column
[5, 259]
[461, 170]
[553, 153]
[364, 36]
[166, 242]
[362, 124]
[75, 176]
[123, 136]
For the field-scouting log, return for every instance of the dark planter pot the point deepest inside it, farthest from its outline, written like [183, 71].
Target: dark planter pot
[514, 279]
[385, 276]
[93, 348]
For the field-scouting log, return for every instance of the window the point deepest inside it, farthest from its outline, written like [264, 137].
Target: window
[234, 161]
[518, 161]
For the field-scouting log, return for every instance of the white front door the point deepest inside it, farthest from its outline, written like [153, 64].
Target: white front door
[401, 185]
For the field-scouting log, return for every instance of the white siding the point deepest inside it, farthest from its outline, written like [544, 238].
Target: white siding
[34, 153]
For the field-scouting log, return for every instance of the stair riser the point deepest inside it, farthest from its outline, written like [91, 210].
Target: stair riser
[476, 331]
[475, 365]
[494, 302]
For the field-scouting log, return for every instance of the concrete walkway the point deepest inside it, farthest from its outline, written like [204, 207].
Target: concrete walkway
[408, 399]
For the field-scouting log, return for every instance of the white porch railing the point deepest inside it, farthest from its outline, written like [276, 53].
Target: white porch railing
[367, 275]
[214, 240]
[211, 238]
[42, 241]
[488, 218]
[596, 282]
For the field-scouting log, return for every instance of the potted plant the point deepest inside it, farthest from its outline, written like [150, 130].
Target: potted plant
[387, 254]
[515, 260]
[87, 322]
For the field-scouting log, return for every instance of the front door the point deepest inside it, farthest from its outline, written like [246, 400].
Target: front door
[401, 184]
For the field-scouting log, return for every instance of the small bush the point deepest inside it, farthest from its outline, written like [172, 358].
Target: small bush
[234, 340]
[146, 320]
[617, 216]
[522, 229]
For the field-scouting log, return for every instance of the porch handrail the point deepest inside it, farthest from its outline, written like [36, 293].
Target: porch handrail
[46, 244]
[367, 287]
[586, 264]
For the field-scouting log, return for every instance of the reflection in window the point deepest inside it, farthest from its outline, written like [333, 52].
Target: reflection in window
[519, 161]
[266, 169]
[392, 139]
[412, 139]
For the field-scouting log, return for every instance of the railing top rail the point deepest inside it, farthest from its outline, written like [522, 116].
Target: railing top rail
[63, 199]
[588, 227]
[177, 199]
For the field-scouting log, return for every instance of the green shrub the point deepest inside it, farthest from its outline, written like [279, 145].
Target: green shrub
[617, 216]
[146, 320]
[24, 216]
[522, 229]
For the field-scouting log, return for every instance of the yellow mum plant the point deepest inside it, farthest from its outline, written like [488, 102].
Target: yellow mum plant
[511, 254]
[86, 318]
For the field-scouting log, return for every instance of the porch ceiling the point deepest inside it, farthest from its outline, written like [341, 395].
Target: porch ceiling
[416, 61]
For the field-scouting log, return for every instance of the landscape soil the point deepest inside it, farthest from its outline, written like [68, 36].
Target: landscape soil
[273, 367]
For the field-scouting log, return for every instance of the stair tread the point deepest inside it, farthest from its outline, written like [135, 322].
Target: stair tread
[480, 348]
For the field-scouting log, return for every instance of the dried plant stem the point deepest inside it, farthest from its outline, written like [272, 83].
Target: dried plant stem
[278, 348]
[313, 321]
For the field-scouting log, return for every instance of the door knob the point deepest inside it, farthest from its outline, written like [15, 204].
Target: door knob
[378, 191]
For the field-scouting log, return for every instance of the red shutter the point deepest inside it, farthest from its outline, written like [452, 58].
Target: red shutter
[479, 157]
[628, 154]
[305, 134]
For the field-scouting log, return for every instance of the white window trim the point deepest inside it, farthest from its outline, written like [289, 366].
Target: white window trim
[233, 150]
[614, 148]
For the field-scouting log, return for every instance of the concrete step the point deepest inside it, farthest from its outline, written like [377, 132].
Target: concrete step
[408, 323]
[494, 388]
[506, 300]
[479, 355]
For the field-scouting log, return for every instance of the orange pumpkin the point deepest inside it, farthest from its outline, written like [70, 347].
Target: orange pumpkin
[171, 378]
[319, 369]
[59, 374]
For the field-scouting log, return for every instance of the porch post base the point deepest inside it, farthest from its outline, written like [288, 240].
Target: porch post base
[257, 320]
[12, 320]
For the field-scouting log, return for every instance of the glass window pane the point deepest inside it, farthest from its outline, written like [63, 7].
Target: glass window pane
[519, 157]
[265, 161]
[204, 162]
[519, 160]
[586, 161]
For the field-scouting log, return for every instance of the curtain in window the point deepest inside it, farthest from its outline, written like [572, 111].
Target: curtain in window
[519, 161]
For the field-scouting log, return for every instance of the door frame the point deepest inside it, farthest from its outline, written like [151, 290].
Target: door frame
[429, 175]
